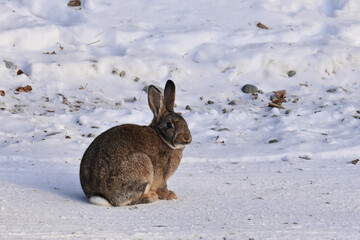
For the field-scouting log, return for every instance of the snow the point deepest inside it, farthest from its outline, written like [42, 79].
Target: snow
[232, 183]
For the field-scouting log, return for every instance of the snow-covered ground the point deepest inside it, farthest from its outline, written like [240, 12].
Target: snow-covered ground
[252, 172]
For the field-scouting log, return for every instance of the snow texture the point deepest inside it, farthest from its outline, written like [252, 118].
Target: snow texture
[251, 172]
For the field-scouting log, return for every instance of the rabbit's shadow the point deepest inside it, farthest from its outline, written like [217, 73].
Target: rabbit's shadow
[53, 177]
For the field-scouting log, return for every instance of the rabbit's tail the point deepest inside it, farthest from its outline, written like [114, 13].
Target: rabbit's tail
[97, 200]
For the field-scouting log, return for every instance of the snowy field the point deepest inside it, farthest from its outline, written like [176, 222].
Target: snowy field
[251, 172]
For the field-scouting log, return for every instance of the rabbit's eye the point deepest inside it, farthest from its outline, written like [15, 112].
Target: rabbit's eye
[169, 125]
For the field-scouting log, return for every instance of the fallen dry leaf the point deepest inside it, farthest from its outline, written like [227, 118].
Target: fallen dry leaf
[19, 72]
[355, 161]
[278, 99]
[345, 90]
[271, 104]
[258, 198]
[262, 26]
[50, 53]
[2, 93]
[27, 88]
[82, 87]
[74, 3]
[280, 94]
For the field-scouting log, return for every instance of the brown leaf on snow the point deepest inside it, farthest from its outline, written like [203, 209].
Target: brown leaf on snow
[19, 72]
[271, 104]
[74, 3]
[50, 53]
[262, 26]
[355, 161]
[2, 93]
[277, 100]
[27, 88]
[281, 94]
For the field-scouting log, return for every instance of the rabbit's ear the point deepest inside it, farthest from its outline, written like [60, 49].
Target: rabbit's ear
[169, 98]
[155, 100]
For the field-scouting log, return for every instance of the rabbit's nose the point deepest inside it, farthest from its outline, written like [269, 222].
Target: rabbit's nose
[187, 139]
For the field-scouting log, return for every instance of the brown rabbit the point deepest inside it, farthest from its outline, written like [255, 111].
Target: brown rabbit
[130, 164]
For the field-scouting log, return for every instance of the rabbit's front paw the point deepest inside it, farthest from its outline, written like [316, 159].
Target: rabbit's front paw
[149, 197]
[166, 194]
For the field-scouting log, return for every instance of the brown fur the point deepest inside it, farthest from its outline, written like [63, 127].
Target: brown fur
[131, 164]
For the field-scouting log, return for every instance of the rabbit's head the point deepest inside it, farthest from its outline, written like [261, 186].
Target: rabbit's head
[171, 126]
